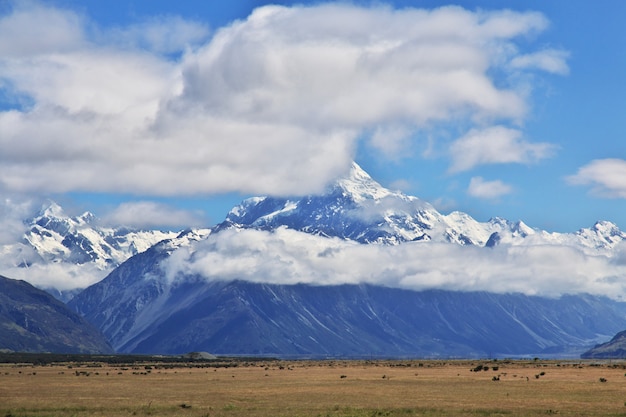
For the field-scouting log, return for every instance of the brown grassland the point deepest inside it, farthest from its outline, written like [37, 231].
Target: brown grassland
[238, 388]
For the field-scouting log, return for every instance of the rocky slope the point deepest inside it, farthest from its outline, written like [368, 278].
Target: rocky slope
[31, 320]
[613, 349]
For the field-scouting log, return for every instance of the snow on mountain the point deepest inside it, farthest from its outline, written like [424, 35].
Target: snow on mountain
[359, 208]
[77, 251]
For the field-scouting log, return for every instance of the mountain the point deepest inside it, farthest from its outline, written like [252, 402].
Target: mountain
[87, 250]
[32, 320]
[56, 237]
[132, 296]
[182, 294]
[358, 208]
[237, 317]
[613, 349]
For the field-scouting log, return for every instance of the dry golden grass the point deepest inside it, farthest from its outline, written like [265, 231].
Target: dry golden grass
[316, 388]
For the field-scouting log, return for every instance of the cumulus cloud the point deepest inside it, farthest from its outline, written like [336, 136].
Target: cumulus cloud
[150, 215]
[480, 188]
[289, 257]
[158, 108]
[607, 177]
[495, 145]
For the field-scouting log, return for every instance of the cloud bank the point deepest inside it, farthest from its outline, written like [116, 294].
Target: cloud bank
[161, 108]
[286, 256]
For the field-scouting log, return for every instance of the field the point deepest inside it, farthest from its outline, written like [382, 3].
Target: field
[237, 388]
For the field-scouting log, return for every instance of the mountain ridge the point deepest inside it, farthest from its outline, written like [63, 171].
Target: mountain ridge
[76, 249]
[370, 213]
[31, 320]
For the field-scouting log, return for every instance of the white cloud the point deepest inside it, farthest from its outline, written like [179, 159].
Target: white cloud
[32, 28]
[480, 188]
[164, 34]
[289, 257]
[550, 60]
[150, 215]
[12, 215]
[274, 104]
[392, 141]
[61, 276]
[607, 177]
[400, 185]
[495, 145]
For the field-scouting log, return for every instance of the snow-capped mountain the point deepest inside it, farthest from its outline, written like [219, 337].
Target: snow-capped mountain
[359, 208]
[78, 246]
[56, 237]
[320, 275]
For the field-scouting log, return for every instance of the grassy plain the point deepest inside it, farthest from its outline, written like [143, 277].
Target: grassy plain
[315, 388]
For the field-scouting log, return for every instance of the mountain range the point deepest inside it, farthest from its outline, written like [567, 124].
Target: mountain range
[358, 208]
[77, 246]
[229, 290]
[358, 271]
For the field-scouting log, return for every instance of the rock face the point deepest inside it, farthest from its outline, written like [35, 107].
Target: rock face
[31, 320]
[613, 349]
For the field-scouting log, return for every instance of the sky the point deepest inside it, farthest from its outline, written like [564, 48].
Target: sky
[166, 114]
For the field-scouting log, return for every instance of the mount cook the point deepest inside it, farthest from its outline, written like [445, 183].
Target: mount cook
[229, 290]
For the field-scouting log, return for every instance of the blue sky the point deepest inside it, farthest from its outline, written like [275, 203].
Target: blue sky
[168, 113]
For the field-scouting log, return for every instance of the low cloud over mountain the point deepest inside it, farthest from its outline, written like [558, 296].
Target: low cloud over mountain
[285, 256]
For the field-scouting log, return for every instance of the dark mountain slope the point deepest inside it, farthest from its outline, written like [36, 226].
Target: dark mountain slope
[32, 320]
[613, 349]
[348, 320]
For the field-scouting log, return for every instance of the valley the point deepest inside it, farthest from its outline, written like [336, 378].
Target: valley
[336, 388]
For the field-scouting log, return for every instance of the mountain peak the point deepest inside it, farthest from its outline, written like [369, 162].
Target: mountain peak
[606, 227]
[361, 186]
[51, 209]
